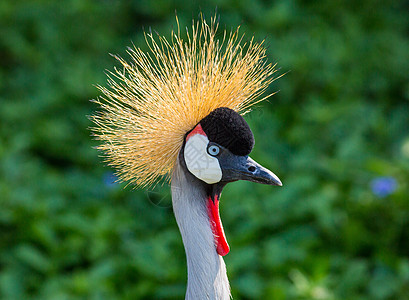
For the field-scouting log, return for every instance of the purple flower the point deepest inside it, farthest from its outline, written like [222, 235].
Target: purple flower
[110, 179]
[383, 186]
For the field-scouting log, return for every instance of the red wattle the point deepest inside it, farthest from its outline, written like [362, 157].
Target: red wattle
[222, 247]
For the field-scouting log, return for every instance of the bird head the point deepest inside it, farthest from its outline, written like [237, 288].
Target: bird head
[156, 104]
[217, 150]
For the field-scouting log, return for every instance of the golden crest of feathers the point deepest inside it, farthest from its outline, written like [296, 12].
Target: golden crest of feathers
[153, 100]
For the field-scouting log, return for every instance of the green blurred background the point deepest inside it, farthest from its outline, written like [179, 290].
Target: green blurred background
[336, 134]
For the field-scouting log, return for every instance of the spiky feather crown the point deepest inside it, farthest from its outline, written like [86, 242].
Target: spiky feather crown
[154, 100]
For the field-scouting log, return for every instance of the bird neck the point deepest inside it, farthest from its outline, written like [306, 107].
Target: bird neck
[207, 278]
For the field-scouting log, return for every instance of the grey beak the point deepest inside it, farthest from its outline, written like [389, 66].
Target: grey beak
[244, 168]
[257, 173]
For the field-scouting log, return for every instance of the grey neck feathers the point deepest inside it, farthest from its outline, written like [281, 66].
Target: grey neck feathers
[207, 278]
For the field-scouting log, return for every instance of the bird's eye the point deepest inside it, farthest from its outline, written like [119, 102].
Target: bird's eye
[213, 150]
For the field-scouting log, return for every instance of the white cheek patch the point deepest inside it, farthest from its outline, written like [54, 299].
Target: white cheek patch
[199, 162]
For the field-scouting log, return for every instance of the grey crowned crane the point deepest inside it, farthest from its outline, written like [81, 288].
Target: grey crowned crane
[176, 112]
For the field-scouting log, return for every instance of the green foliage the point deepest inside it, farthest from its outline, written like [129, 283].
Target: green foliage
[337, 229]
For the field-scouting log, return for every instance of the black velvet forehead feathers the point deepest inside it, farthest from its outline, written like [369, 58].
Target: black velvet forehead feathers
[227, 128]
